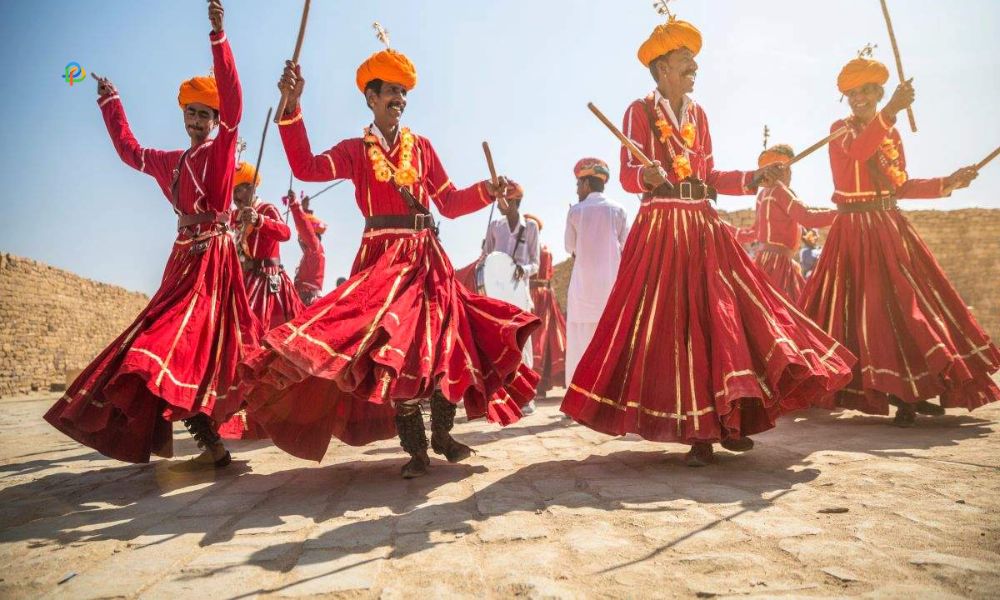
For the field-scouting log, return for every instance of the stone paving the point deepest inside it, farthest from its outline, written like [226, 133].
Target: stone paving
[826, 506]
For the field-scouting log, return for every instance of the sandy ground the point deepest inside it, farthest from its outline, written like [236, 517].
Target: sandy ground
[826, 506]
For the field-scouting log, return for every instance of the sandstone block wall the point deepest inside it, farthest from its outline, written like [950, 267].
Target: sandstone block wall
[965, 242]
[52, 321]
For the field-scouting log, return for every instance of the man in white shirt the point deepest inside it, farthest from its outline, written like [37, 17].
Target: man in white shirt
[596, 229]
[517, 238]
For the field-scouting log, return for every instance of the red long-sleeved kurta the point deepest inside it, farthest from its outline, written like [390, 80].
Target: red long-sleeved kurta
[852, 177]
[878, 289]
[780, 216]
[349, 160]
[637, 128]
[179, 356]
[264, 241]
[693, 347]
[312, 267]
[398, 329]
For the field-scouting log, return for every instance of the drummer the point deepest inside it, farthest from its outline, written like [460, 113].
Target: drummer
[517, 238]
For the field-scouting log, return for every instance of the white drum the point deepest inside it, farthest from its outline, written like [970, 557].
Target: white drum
[495, 278]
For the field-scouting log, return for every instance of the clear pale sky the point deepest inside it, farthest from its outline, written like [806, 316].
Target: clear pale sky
[515, 72]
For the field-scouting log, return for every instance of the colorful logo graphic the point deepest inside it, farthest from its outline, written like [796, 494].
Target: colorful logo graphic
[74, 73]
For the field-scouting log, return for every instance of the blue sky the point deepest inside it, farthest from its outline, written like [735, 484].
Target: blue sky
[515, 72]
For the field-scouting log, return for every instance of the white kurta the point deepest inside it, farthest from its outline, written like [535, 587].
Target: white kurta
[500, 238]
[596, 229]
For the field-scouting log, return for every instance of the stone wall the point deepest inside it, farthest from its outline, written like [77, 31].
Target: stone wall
[965, 242]
[53, 322]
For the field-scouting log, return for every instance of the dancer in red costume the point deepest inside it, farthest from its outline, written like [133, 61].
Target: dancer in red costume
[876, 287]
[693, 347]
[259, 232]
[311, 270]
[549, 340]
[177, 361]
[356, 363]
[779, 221]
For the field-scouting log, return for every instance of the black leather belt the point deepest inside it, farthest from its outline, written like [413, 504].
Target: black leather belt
[689, 189]
[888, 203]
[184, 221]
[417, 222]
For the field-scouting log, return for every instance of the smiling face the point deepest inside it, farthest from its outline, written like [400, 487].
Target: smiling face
[676, 70]
[388, 103]
[199, 121]
[864, 100]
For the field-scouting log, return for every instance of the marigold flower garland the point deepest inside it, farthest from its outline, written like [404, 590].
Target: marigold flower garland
[889, 160]
[681, 164]
[404, 173]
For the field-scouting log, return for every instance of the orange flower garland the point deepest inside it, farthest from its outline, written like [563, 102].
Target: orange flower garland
[890, 162]
[681, 164]
[404, 173]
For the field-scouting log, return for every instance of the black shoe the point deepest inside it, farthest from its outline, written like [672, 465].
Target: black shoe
[203, 462]
[413, 439]
[700, 455]
[906, 416]
[442, 420]
[743, 444]
[928, 408]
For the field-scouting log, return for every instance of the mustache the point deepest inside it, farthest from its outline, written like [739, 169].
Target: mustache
[693, 71]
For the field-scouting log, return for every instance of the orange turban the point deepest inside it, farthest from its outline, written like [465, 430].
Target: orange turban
[591, 167]
[387, 65]
[780, 154]
[671, 35]
[245, 174]
[202, 90]
[537, 221]
[860, 71]
[317, 224]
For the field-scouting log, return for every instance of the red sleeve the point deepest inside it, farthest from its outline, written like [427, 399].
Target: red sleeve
[861, 146]
[729, 183]
[802, 214]
[335, 163]
[307, 235]
[545, 270]
[635, 126]
[917, 188]
[222, 161]
[451, 201]
[271, 226]
[156, 163]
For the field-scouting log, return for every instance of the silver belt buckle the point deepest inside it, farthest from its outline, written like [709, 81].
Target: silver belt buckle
[686, 193]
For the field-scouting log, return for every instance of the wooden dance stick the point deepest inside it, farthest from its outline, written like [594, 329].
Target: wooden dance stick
[632, 148]
[899, 61]
[819, 144]
[295, 58]
[327, 188]
[988, 158]
[489, 163]
[260, 155]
